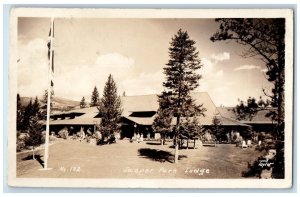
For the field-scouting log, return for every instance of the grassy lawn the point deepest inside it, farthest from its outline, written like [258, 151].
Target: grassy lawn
[73, 159]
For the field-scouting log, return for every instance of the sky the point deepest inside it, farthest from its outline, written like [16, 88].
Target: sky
[134, 51]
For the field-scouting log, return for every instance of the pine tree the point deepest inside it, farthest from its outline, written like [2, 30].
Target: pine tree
[110, 108]
[43, 107]
[191, 129]
[82, 103]
[217, 129]
[27, 115]
[163, 119]
[95, 98]
[35, 136]
[36, 107]
[263, 39]
[20, 114]
[181, 79]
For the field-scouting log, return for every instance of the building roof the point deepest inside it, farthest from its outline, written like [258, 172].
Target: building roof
[86, 117]
[150, 103]
[142, 103]
[259, 118]
[141, 120]
[139, 103]
[76, 121]
[231, 122]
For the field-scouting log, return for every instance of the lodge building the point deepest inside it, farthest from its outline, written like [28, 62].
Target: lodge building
[139, 113]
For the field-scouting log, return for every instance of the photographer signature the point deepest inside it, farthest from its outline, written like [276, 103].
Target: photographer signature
[265, 163]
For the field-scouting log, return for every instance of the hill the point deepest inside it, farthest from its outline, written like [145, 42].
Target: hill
[61, 104]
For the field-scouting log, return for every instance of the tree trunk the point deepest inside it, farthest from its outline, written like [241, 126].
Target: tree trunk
[279, 164]
[176, 139]
[33, 156]
[281, 81]
[162, 140]
[176, 151]
[187, 143]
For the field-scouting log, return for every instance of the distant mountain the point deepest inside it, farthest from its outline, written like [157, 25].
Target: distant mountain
[58, 103]
[65, 102]
[25, 100]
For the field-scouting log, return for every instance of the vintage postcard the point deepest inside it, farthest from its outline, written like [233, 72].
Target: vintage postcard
[150, 98]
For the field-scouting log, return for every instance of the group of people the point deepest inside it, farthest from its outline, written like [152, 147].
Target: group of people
[97, 135]
[82, 135]
[139, 138]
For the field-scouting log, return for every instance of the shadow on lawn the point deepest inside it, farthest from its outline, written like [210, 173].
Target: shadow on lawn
[158, 155]
[37, 158]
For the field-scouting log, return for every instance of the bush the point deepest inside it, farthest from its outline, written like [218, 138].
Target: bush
[234, 137]
[267, 142]
[63, 134]
[52, 138]
[20, 145]
[21, 137]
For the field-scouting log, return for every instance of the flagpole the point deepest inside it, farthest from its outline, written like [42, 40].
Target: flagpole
[48, 100]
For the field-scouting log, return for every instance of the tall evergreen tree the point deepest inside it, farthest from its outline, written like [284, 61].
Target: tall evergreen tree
[163, 119]
[263, 39]
[43, 107]
[181, 79]
[82, 103]
[191, 129]
[36, 107]
[217, 129]
[35, 136]
[27, 115]
[20, 113]
[95, 98]
[110, 108]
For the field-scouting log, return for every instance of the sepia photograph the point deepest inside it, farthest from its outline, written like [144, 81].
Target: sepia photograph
[151, 98]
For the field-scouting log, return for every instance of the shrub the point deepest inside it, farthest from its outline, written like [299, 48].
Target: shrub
[234, 137]
[20, 145]
[267, 142]
[256, 168]
[52, 138]
[21, 137]
[63, 134]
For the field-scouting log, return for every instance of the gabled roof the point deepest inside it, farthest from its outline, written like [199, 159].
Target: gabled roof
[87, 117]
[145, 103]
[150, 103]
[259, 118]
[141, 121]
[76, 121]
[139, 103]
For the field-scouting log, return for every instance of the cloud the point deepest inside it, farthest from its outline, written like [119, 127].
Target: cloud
[114, 61]
[70, 81]
[247, 67]
[32, 67]
[212, 76]
[220, 73]
[209, 64]
[220, 56]
[84, 77]
[207, 67]
[144, 83]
